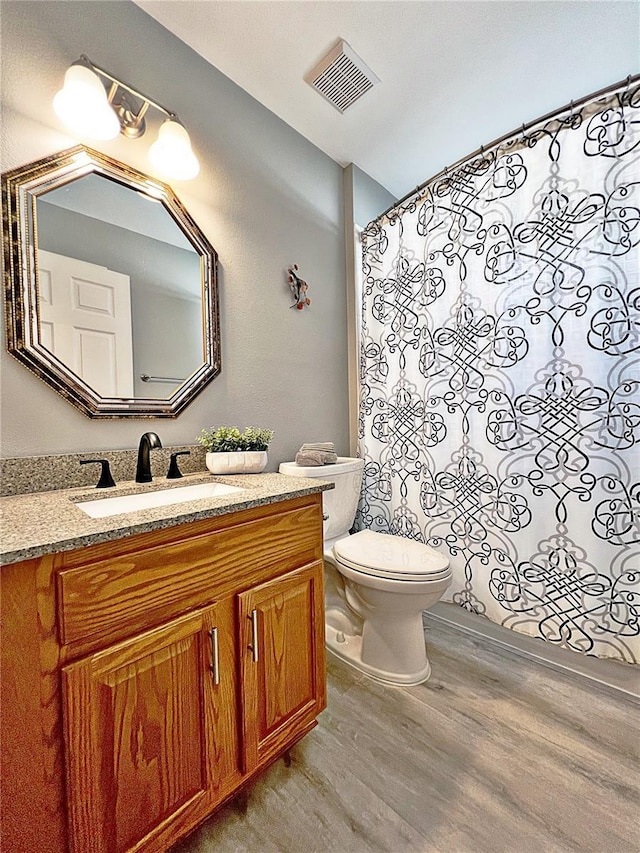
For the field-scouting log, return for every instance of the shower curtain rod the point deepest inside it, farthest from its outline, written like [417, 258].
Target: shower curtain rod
[572, 105]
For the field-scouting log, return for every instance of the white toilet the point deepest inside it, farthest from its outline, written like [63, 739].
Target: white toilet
[376, 585]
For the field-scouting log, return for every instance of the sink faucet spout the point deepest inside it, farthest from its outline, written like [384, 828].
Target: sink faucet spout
[148, 441]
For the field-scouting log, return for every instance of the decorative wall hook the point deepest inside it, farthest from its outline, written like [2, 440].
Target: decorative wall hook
[298, 288]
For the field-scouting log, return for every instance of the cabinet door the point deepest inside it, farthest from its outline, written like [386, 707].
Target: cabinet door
[145, 731]
[282, 661]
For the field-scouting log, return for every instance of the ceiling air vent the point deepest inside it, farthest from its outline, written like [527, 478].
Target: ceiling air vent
[342, 77]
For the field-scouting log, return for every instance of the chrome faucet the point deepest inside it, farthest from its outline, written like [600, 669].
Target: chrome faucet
[148, 441]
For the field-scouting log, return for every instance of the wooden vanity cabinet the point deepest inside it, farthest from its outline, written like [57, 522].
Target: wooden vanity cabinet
[185, 661]
[150, 739]
[282, 677]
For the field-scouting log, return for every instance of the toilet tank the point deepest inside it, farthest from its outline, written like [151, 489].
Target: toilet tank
[341, 502]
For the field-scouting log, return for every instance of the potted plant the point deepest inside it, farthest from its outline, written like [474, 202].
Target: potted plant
[231, 452]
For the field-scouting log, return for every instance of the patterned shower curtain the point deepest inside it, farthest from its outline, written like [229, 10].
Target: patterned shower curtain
[500, 377]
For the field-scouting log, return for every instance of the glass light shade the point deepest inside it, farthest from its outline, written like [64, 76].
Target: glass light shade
[83, 106]
[171, 153]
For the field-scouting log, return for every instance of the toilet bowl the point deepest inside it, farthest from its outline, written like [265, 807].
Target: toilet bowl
[376, 585]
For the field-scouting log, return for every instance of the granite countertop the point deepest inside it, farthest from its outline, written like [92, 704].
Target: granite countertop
[42, 523]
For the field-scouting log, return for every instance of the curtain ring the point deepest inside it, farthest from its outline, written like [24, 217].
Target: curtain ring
[571, 110]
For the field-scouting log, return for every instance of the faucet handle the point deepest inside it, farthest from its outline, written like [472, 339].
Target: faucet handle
[106, 481]
[174, 473]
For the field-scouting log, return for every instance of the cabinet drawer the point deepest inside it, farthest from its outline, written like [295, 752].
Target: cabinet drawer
[111, 597]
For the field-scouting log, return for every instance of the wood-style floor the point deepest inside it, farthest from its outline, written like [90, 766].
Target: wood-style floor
[494, 754]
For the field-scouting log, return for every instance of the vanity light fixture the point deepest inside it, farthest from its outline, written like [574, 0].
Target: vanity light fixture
[171, 152]
[83, 106]
[95, 104]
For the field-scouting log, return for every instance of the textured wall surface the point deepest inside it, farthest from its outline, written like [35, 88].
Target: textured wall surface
[265, 198]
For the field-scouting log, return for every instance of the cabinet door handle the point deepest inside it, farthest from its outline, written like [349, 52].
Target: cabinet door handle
[215, 656]
[254, 635]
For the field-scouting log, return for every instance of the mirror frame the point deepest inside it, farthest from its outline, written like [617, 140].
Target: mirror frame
[21, 188]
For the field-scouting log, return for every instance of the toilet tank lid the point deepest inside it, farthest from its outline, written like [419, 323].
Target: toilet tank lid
[390, 553]
[344, 465]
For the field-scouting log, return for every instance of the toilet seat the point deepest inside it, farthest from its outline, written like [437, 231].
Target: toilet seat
[381, 555]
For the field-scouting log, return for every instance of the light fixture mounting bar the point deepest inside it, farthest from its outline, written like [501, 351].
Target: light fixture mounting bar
[120, 84]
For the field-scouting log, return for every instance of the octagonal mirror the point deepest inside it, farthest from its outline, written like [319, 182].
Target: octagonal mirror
[111, 291]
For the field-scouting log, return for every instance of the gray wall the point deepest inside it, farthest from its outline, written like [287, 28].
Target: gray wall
[370, 198]
[265, 197]
[364, 200]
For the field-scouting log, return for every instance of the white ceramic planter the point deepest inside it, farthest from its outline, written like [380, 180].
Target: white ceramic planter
[240, 462]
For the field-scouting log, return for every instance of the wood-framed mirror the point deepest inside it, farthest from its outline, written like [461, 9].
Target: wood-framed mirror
[111, 293]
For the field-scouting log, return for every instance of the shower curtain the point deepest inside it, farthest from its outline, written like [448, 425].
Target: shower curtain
[500, 377]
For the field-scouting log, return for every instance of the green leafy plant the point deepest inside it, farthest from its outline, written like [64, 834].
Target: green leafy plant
[230, 439]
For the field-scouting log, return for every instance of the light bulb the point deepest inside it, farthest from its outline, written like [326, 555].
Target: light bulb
[171, 153]
[83, 106]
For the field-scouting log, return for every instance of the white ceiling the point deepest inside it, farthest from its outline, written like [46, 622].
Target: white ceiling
[454, 74]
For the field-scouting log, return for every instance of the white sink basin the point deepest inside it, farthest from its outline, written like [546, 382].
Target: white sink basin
[116, 505]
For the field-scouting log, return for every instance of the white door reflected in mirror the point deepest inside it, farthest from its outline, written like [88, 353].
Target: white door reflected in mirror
[85, 321]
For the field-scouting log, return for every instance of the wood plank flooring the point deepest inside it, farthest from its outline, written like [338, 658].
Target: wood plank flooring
[494, 754]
